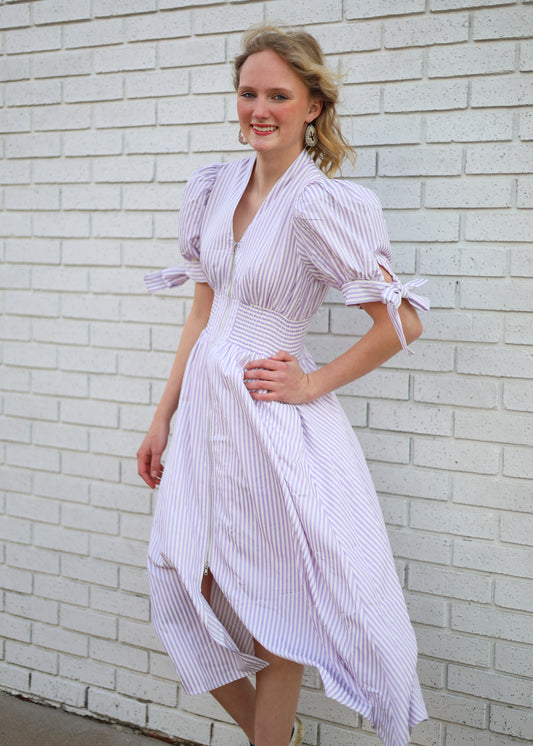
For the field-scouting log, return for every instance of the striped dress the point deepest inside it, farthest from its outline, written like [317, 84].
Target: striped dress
[276, 499]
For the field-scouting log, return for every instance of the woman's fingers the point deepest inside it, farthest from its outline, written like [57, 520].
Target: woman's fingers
[279, 378]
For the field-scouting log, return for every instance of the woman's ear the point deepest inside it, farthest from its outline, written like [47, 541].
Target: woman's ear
[314, 110]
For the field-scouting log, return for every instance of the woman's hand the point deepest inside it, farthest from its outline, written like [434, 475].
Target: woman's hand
[149, 464]
[278, 378]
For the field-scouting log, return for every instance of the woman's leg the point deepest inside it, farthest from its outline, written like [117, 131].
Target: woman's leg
[276, 698]
[237, 697]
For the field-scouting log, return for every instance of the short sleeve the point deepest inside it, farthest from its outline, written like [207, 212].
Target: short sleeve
[195, 199]
[343, 240]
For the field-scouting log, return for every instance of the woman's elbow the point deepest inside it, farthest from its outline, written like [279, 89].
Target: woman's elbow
[412, 325]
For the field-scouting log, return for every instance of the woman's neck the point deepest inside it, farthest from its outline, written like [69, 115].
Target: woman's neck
[267, 171]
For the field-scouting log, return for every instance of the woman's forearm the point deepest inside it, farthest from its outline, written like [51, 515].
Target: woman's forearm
[196, 322]
[379, 344]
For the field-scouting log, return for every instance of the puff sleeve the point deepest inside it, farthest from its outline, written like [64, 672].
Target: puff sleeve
[195, 199]
[343, 240]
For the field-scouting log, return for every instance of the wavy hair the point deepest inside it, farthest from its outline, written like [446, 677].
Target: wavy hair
[303, 54]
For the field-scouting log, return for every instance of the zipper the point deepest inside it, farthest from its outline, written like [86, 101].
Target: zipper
[209, 446]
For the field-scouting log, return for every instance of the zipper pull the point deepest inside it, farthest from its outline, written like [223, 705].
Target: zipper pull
[206, 568]
[235, 246]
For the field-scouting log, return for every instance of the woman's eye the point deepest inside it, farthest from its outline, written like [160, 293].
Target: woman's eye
[280, 97]
[247, 94]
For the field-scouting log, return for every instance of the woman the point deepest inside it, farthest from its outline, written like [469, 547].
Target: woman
[268, 550]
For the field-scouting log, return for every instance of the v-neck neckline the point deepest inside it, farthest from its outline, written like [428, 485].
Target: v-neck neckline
[247, 176]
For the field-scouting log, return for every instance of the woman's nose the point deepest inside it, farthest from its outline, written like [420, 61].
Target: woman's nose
[261, 109]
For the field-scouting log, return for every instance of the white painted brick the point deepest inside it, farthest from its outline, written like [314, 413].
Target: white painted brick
[16, 580]
[526, 55]
[204, 705]
[117, 654]
[61, 539]
[31, 657]
[164, 4]
[191, 110]
[420, 546]
[62, 117]
[61, 171]
[170, 139]
[121, 389]
[513, 659]
[134, 168]
[191, 52]
[92, 89]
[14, 68]
[87, 672]
[426, 610]
[54, 11]
[501, 92]
[89, 413]
[33, 197]
[390, 448]
[428, 162]
[492, 493]
[61, 589]
[410, 418]
[457, 455]
[517, 462]
[120, 225]
[88, 621]
[89, 518]
[490, 685]
[116, 707]
[517, 723]
[447, 518]
[45, 459]
[437, 5]
[517, 395]
[383, 66]
[87, 465]
[32, 40]
[33, 508]
[158, 83]
[94, 33]
[18, 328]
[125, 114]
[521, 262]
[61, 224]
[86, 361]
[53, 688]
[150, 197]
[483, 361]
[514, 594]
[505, 295]
[15, 277]
[476, 192]
[456, 647]
[434, 95]
[135, 527]
[82, 306]
[107, 548]
[370, 8]
[131, 57]
[502, 427]
[228, 735]
[139, 634]
[16, 120]
[504, 560]
[14, 678]
[53, 65]
[211, 79]
[172, 721]
[114, 442]
[162, 666]
[33, 93]
[121, 604]
[450, 707]
[503, 159]
[158, 26]
[14, 173]
[462, 327]
[123, 7]
[296, 12]
[13, 529]
[56, 382]
[91, 143]
[502, 23]
[15, 628]
[426, 30]
[471, 60]
[388, 130]
[102, 253]
[457, 736]
[59, 639]
[144, 688]
[121, 497]
[12, 16]
[463, 391]
[356, 413]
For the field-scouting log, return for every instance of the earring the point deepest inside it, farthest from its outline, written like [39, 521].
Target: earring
[311, 135]
[242, 139]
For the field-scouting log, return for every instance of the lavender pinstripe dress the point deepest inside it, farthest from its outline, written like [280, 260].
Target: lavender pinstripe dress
[276, 499]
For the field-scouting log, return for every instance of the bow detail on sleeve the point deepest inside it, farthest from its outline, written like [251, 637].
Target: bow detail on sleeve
[165, 278]
[390, 293]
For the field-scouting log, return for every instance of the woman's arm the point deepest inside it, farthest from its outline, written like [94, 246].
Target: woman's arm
[280, 378]
[149, 454]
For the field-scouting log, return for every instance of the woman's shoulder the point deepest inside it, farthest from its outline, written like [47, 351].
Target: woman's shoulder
[326, 195]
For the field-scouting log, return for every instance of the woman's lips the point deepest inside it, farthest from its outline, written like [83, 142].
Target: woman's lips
[263, 129]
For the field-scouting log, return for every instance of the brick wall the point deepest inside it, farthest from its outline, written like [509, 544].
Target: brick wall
[107, 107]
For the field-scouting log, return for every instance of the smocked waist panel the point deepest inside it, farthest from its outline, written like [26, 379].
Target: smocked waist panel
[260, 330]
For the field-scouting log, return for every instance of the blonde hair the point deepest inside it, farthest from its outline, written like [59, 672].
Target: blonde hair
[302, 52]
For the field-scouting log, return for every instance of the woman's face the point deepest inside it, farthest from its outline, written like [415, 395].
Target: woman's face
[274, 106]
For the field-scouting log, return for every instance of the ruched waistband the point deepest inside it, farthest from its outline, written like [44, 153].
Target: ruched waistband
[257, 329]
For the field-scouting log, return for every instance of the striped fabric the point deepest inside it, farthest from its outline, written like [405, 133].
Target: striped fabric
[276, 499]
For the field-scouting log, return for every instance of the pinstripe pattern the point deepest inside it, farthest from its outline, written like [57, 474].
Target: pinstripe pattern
[278, 497]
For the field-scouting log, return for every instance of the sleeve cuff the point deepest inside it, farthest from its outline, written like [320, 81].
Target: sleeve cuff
[390, 293]
[173, 277]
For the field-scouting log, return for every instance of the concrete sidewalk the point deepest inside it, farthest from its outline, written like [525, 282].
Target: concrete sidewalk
[24, 723]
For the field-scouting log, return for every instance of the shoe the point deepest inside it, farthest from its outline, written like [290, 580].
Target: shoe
[297, 735]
